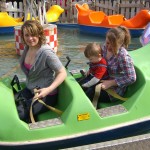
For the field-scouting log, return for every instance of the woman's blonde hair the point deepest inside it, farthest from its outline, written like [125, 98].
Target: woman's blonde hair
[118, 37]
[92, 49]
[34, 28]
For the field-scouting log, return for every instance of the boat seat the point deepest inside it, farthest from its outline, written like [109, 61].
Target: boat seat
[45, 123]
[103, 105]
[130, 92]
[64, 99]
[47, 115]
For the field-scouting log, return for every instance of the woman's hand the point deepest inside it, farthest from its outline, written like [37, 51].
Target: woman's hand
[106, 84]
[41, 93]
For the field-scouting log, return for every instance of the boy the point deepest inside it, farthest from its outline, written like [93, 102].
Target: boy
[97, 68]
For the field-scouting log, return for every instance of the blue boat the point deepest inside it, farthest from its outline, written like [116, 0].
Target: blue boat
[7, 30]
[101, 31]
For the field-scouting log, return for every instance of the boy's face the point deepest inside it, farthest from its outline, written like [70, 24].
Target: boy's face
[95, 59]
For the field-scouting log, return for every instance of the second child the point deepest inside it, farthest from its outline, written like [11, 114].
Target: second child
[97, 68]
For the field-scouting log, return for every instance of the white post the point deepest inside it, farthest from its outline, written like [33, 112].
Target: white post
[39, 12]
[42, 12]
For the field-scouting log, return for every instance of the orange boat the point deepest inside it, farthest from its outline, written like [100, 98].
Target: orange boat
[88, 19]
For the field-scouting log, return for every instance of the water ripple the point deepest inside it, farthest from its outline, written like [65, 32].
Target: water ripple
[70, 43]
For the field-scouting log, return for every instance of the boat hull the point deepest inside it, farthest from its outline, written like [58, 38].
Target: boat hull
[82, 139]
[101, 31]
[7, 30]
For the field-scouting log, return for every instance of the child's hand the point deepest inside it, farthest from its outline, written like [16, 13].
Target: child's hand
[85, 85]
[84, 74]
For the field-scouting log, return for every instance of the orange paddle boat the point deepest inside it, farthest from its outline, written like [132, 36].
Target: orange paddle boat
[98, 22]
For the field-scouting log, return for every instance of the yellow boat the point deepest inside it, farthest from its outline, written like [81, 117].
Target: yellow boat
[7, 26]
[9, 21]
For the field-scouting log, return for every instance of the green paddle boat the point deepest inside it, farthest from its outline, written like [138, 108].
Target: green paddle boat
[80, 123]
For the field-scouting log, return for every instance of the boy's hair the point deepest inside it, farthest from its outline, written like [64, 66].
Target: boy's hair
[118, 36]
[34, 28]
[92, 49]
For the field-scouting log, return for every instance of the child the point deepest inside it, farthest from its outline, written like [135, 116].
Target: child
[120, 65]
[97, 68]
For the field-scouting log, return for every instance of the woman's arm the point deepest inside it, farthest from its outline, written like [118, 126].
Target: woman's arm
[123, 72]
[60, 77]
[127, 74]
[106, 84]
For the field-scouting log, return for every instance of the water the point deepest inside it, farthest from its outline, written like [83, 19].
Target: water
[70, 43]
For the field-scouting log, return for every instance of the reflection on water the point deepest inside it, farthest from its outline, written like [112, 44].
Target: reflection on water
[70, 43]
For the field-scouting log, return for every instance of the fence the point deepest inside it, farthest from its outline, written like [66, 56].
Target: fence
[128, 8]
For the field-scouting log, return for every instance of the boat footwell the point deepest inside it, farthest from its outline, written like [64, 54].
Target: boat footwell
[45, 123]
[113, 110]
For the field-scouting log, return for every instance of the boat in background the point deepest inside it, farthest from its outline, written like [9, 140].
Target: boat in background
[101, 31]
[7, 30]
[7, 26]
[53, 14]
[145, 38]
[97, 22]
[7, 23]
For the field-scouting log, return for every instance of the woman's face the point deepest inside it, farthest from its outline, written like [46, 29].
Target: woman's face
[30, 40]
[108, 45]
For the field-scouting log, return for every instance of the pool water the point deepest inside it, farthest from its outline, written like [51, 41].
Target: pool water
[70, 43]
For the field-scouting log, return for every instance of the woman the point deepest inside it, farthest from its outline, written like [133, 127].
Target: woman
[120, 67]
[42, 68]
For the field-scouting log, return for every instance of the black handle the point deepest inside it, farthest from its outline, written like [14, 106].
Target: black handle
[83, 73]
[14, 81]
[67, 62]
